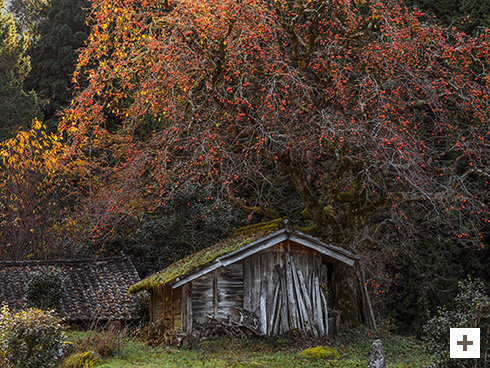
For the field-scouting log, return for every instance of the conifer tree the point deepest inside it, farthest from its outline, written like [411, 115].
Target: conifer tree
[61, 32]
[17, 107]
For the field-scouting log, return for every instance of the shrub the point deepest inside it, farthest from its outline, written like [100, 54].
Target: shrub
[86, 359]
[30, 339]
[472, 311]
[44, 289]
[320, 352]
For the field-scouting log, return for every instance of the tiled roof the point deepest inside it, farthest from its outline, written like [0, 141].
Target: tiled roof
[93, 288]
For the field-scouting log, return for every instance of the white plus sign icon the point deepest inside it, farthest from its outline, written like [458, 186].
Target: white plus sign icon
[464, 343]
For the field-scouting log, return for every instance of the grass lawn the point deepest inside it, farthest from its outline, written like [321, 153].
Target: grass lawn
[282, 352]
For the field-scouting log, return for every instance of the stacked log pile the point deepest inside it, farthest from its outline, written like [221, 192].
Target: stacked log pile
[297, 303]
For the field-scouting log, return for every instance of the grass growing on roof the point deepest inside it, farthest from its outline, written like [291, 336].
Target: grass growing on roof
[240, 238]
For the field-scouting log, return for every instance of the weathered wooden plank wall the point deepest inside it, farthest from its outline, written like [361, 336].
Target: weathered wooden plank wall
[202, 298]
[229, 282]
[219, 294]
[166, 304]
[276, 290]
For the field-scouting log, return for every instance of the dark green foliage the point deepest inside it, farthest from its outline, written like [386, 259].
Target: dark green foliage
[423, 275]
[472, 310]
[30, 339]
[17, 107]
[187, 223]
[44, 289]
[62, 32]
[466, 15]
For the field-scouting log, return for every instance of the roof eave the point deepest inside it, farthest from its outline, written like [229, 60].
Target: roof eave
[232, 257]
[329, 250]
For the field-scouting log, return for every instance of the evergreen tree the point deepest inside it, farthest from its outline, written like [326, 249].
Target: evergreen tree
[28, 15]
[61, 32]
[17, 107]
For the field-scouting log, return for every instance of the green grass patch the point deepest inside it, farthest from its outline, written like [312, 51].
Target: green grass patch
[279, 352]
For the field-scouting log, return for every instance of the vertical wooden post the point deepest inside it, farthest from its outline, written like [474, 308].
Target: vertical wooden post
[215, 294]
[263, 307]
[293, 308]
[275, 309]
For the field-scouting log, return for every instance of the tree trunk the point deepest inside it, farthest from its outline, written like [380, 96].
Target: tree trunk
[345, 277]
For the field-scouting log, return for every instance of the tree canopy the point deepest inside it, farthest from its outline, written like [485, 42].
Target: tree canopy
[17, 107]
[363, 105]
[61, 31]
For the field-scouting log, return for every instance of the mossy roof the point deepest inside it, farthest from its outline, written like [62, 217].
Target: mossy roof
[193, 262]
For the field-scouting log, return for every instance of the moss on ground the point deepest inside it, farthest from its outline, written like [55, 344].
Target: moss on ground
[271, 352]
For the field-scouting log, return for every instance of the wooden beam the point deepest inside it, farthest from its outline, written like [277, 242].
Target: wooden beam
[241, 253]
[305, 317]
[308, 304]
[318, 307]
[325, 310]
[364, 292]
[328, 250]
[293, 307]
[263, 307]
[284, 308]
[233, 257]
[275, 306]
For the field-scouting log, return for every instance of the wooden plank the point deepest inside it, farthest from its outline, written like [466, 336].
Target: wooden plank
[327, 249]
[215, 293]
[256, 246]
[325, 310]
[277, 320]
[263, 307]
[275, 307]
[247, 285]
[318, 299]
[284, 311]
[364, 292]
[291, 299]
[309, 307]
[305, 321]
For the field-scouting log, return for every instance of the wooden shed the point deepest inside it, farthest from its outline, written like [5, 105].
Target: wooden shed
[272, 280]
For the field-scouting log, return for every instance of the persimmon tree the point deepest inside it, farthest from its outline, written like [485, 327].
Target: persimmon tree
[364, 106]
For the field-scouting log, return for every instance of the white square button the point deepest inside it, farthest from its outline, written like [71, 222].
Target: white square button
[464, 343]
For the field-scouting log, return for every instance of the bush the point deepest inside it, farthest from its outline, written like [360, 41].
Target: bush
[86, 359]
[30, 339]
[44, 289]
[472, 311]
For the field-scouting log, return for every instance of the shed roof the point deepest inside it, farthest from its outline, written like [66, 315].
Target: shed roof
[233, 250]
[93, 288]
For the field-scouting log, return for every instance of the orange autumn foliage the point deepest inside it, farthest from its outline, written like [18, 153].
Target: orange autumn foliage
[31, 190]
[364, 105]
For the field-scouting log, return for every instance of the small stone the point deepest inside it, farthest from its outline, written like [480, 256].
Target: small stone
[376, 355]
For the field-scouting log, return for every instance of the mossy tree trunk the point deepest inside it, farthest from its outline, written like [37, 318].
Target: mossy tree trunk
[337, 222]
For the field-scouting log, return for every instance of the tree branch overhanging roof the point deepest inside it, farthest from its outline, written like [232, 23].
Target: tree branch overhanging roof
[234, 249]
